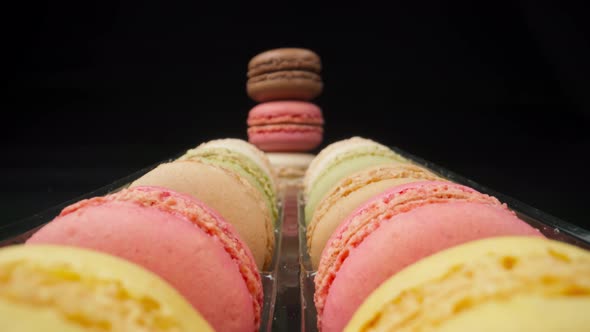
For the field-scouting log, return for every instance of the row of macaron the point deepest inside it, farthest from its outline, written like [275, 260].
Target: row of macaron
[397, 247]
[408, 241]
[203, 225]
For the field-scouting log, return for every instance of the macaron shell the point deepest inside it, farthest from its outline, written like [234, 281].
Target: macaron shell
[245, 148]
[57, 288]
[378, 210]
[323, 230]
[244, 166]
[286, 137]
[516, 269]
[349, 194]
[21, 318]
[403, 240]
[393, 201]
[285, 111]
[332, 151]
[233, 197]
[285, 85]
[324, 156]
[169, 247]
[523, 313]
[339, 170]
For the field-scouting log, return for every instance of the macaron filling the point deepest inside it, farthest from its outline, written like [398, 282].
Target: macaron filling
[286, 118]
[114, 308]
[285, 128]
[185, 207]
[286, 75]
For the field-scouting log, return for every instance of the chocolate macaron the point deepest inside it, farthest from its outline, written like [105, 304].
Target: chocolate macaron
[284, 74]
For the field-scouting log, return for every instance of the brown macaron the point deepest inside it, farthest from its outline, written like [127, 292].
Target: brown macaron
[284, 74]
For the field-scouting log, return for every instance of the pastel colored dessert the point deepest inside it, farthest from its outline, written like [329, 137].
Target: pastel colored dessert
[395, 229]
[284, 74]
[285, 126]
[290, 165]
[339, 160]
[176, 237]
[507, 284]
[351, 192]
[225, 191]
[65, 289]
[243, 158]
[245, 148]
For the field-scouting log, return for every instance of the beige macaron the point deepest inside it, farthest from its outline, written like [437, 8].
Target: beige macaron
[350, 193]
[226, 192]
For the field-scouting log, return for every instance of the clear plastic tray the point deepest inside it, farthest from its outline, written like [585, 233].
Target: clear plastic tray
[288, 284]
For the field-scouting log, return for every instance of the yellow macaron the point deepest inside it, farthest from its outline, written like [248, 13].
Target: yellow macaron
[57, 288]
[495, 284]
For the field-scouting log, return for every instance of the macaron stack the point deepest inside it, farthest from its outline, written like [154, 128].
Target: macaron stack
[284, 81]
[370, 214]
[286, 123]
[203, 223]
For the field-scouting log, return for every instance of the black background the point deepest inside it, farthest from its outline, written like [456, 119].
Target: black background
[497, 92]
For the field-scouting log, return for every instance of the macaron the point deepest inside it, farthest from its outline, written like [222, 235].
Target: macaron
[243, 158]
[176, 237]
[339, 160]
[395, 229]
[351, 192]
[508, 284]
[289, 165]
[67, 289]
[285, 126]
[284, 74]
[241, 146]
[225, 191]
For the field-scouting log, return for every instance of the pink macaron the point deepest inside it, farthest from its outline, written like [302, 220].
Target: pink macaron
[288, 126]
[175, 236]
[395, 229]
